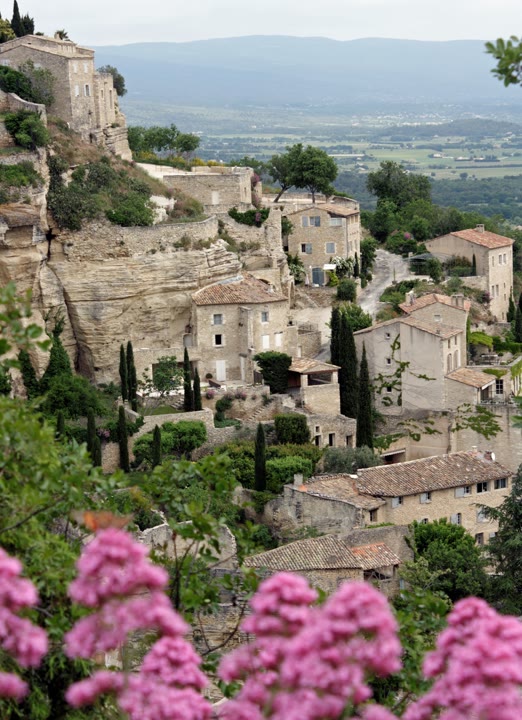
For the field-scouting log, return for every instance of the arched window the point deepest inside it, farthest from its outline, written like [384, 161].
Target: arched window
[449, 363]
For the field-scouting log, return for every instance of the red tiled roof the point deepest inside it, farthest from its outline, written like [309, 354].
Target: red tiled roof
[485, 238]
[305, 366]
[341, 488]
[243, 289]
[435, 328]
[430, 299]
[474, 378]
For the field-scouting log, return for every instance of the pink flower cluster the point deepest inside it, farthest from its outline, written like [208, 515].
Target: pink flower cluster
[116, 578]
[26, 642]
[477, 665]
[310, 663]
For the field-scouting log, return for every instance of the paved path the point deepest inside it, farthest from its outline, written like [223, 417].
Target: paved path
[386, 269]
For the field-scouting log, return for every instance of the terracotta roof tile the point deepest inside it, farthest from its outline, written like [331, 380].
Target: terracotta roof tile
[486, 239]
[430, 299]
[305, 366]
[428, 474]
[444, 331]
[341, 488]
[474, 378]
[243, 289]
[324, 553]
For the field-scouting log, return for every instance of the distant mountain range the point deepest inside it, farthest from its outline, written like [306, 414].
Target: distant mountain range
[318, 72]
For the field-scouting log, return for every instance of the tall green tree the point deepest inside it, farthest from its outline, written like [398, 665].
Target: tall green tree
[474, 265]
[260, 459]
[335, 336]
[365, 414]
[156, 446]
[123, 440]
[188, 396]
[348, 385]
[392, 182]
[124, 379]
[518, 325]
[91, 434]
[197, 391]
[97, 453]
[5, 382]
[356, 266]
[132, 380]
[505, 550]
[59, 363]
[520, 301]
[511, 313]
[60, 425]
[16, 21]
[315, 171]
[281, 168]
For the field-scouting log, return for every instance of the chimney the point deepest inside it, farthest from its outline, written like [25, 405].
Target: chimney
[489, 455]
[457, 300]
[298, 480]
[410, 297]
[480, 228]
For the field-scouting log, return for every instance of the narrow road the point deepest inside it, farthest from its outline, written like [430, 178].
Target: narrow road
[386, 269]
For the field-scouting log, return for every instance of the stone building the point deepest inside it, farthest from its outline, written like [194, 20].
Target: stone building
[233, 320]
[417, 364]
[329, 560]
[83, 98]
[494, 260]
[435, 308]
[322, 231]
[315, 386]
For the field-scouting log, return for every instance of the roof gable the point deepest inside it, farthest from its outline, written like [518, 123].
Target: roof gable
[484, 238]
[240, 290]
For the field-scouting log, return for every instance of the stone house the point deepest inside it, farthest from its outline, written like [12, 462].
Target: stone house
[330, 430]
[83, 98]
[322, 231]
[435, 308]
[330, 560]
[494, 260]
[454, 486]
[315, 386]
[234, 319]
[419, 364]
[217, 188]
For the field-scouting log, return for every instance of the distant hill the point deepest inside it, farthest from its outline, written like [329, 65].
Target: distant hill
[318, 72]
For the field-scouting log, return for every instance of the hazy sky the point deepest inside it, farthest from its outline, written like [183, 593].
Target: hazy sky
[102, 22]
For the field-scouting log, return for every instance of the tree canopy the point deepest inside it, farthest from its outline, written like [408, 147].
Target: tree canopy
[508, 54]
[309, 168]
[159, 139]
[392, 182]
[117, 79]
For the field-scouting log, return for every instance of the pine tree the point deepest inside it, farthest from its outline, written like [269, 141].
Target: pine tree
[348, 373]
[59, 363]
[518, 325]
[335, 332]
[123, 440]
[132, 380]
[197, 391]
[27, 24]
[188, 397]
[31, 384]
[260, 460]
[156, 446]
[124, 380]
[511, 313]
[356, 266]
[16, 22]
[474, 265]
[91, 434]
[60, 425]
[365, 416]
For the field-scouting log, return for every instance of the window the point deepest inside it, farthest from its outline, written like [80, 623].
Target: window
[87, 90]
[499, 386]
[330, 248]
[315, 221]
[455, 340]
[317, 429]
[424, 521]
[278, 339]
[388, 361]
[306, 248]
[479, 538]
[505, 259]
[349, 439]
[387, 336]
[492, 535]
[501, 484]
[389, 389]
[425, 497]
[304, 221]
[396, 501]
[331, 439]
[456, 519]
[217, 319]
[482, 487]
[265, 342]
[264, 316]
[497, 290]
[492, 261]
[335, 222]
[373, 515]
[76, 91]
[463, 491]
[500, 259]
[437, 317]
[218, 340]
[481, 516]
[318, 440]
[492, 291]
[449, 344]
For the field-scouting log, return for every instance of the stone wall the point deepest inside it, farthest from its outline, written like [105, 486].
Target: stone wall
[308, 340]
[219, 187]
[161, 540]
[323, 399]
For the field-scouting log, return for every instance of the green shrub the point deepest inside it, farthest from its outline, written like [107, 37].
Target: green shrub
[308, 451]
[72, 394]
[242, 456]
[292, 428]
[348, 460]
[135, 503]
[13, 81]
[274, 367]
[176, 439]
[347, 290]
[27, 129]
[280, 471]
[20, 175]
[250, 217]
[131, 210]
[222, 405]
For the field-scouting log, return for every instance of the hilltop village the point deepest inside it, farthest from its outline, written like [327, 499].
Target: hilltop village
[221, 319]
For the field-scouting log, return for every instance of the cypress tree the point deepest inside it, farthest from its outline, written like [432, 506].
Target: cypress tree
[260, 460]
[27, 24]
[197, 391]
[518, 325]
[91, 434]
[520, 301]
[511, 313]
[356, 267]
[474, 265]
[97, 453]
[123, 440]
[60, 425]
[335, 331]
[59, 363]
[29, 378]
[132, 380]
[16, 22]
[5, 382]
[364, 417]
[156, 446]
[124, 380]
[348, 373]
[188, 397]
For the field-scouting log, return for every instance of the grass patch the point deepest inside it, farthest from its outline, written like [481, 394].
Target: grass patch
[161, 410]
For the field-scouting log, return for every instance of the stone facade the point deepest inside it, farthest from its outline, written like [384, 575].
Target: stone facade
[83, 98]
[494, 259]
[329, 430]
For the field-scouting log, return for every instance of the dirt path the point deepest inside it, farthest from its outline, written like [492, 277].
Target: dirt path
[386, 269]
